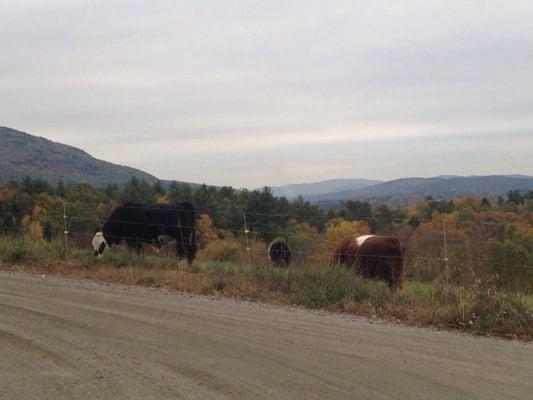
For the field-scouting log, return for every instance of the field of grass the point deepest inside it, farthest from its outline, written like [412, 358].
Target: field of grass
[484, 310]
[528, 300]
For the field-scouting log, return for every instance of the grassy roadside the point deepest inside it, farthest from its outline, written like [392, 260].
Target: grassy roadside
[480, 310]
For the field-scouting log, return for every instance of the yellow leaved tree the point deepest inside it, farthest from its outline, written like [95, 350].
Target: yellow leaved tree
[205, 231]
[337, 229]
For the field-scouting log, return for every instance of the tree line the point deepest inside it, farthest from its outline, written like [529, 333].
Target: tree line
[483, 234]
[226, 205]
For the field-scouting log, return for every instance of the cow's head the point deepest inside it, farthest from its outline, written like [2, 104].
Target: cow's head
[99, 244]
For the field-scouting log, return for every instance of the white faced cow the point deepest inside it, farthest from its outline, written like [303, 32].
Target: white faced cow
[136, 224]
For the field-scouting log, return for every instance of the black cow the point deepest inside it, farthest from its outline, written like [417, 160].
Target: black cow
[136, 224]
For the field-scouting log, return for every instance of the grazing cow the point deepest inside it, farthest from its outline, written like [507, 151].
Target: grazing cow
[279, 253]
[136, 224]
[373, 256]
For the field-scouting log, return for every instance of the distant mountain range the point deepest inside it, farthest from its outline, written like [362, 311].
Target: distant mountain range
[322, 188]
[409, 190]
[22, 154]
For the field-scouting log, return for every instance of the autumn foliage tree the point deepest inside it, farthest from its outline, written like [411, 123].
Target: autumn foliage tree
[511, 258]
[302, 239]
[338, 229]
[205, 231]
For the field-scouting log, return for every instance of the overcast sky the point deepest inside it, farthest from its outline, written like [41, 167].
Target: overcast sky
[252, 93]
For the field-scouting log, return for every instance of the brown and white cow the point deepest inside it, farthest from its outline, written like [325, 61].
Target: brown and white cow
[373, 256]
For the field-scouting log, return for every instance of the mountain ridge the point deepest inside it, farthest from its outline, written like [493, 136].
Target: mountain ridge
[292, 191]
[23, 154]
[409, 190]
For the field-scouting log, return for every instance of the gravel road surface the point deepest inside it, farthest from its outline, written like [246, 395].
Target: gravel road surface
[62, 339]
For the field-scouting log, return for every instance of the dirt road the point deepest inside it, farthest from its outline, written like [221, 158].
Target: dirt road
[81, 340]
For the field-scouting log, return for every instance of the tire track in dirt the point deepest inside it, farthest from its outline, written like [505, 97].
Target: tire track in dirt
[69, 339]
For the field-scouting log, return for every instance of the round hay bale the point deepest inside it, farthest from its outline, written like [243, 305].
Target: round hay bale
[279, 253]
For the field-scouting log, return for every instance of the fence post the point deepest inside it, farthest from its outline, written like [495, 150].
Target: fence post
[65, 224]
[447, 270]
[246, 232]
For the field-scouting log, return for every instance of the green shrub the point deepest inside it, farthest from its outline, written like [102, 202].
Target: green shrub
[324, 286]
[219, 268]
[495, 311]
[14, 251]
[485, 310]
[20, 250]
[274, 278]
[511, 258]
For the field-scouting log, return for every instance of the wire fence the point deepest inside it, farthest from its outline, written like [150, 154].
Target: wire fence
[456, 252]
[75, 231]
[239, 214]
[62, 212]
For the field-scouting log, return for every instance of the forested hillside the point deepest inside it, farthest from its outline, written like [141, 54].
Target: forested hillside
[23, 155]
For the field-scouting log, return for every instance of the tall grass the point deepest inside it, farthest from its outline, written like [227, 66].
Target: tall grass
[15, 250]
[481, 309]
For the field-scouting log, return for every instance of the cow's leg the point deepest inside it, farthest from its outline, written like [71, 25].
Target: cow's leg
[191, 246]
[135, 246]
[181, 246]
[360, 265]
[398, 272]
[393, 272]
[179, 249]
[390, 272]
[190, 255]
[180, 242]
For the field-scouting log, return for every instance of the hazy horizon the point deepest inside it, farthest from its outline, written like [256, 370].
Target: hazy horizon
[248, 94]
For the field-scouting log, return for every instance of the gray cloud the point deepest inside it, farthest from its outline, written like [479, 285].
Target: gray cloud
[250, 93]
